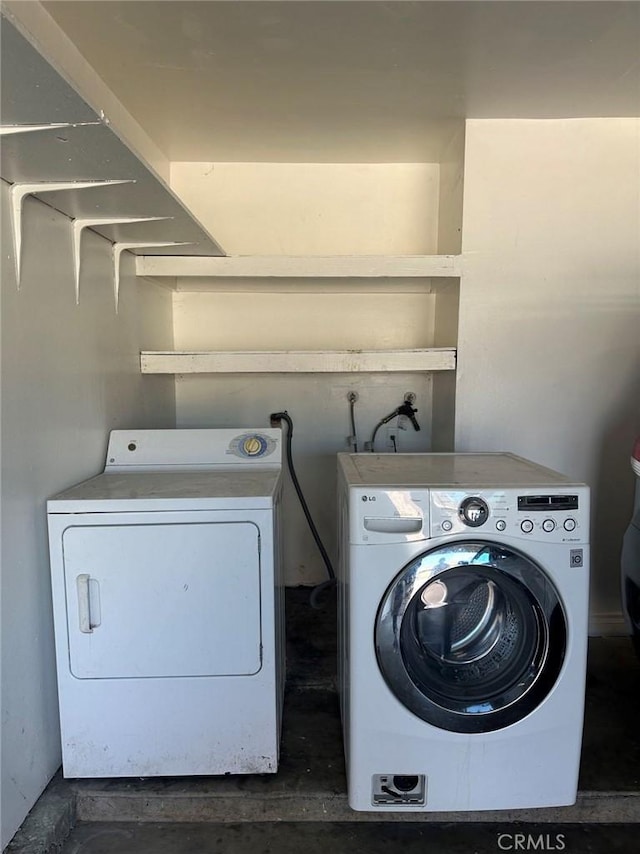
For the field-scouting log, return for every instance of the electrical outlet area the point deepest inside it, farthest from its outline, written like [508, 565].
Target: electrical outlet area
[390, 444]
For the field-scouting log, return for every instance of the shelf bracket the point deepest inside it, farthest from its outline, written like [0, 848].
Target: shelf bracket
[119, 248]
[19, 191]
[80, 224]
[8, 130]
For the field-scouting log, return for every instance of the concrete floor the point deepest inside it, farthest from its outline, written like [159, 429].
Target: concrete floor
[348, 838]
[303, 807]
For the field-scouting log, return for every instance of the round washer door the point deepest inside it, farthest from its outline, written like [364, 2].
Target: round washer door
[471, 636]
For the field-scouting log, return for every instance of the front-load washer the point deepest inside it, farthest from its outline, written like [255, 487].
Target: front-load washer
[168, 606]
[463, 610]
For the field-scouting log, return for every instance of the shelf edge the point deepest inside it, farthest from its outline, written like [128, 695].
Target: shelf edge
[298, 361]
[289, 266]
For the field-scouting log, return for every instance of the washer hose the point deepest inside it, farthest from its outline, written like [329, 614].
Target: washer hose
[276, 418]
[404, 409]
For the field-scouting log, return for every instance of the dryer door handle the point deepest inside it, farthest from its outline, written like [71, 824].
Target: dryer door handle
[88, 603]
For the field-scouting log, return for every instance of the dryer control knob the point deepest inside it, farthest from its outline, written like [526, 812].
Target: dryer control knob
[548, 525]
[447, 525]
[570, 524]
[526, 526]
[501, 525]
[252, 446]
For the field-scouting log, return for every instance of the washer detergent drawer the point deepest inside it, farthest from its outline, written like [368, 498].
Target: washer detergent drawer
[151, 600]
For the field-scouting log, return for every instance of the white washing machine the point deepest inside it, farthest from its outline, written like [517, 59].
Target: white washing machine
[169, 608]
[463, 596]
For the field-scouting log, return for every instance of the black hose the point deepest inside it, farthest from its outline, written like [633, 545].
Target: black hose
[318, 591]
[352, 407]
[372, 442]
[404, 409]
[276, 418]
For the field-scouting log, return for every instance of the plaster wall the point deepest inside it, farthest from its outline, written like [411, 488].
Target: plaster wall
[314, 208]
[70, 373]
[549, 350]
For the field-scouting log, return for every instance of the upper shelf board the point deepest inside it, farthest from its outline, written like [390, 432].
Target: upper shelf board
[283, 266]
[33, 92]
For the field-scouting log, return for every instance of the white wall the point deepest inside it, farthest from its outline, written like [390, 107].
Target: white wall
[70, 373]
[304, 319]
[314, 208]
[549, 335]
[451, 194]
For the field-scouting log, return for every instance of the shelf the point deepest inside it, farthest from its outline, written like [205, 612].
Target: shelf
[298, 361]
[79, 144]
[286, 266]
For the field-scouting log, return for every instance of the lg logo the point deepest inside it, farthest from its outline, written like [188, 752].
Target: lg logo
[368, 498]
[531, 842]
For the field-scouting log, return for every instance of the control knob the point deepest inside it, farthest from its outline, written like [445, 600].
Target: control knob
[526, 526]
[548, 525]
[474, 512]
[252, 446]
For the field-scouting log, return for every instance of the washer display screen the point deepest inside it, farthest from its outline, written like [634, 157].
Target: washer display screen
[471, 636]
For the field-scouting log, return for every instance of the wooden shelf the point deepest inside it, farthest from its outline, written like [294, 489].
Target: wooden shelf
[284, 266]
[298, 361]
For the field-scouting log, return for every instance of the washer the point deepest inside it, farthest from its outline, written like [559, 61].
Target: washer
[168, 606]
[463, 610]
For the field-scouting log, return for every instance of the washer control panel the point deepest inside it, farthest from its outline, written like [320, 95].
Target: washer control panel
[561, 517]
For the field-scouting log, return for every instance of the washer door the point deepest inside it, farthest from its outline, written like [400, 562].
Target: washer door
[471, 636]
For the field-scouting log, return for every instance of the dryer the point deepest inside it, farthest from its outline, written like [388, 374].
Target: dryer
[463, 610]
[168, 606]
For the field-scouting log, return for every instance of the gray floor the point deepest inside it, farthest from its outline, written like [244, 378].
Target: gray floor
[303, 807]
[348, 838]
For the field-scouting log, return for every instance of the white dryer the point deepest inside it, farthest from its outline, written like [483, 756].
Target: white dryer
[168, 606]
[463, 597]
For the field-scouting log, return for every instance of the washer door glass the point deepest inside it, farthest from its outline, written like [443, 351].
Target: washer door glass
[471, 636]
